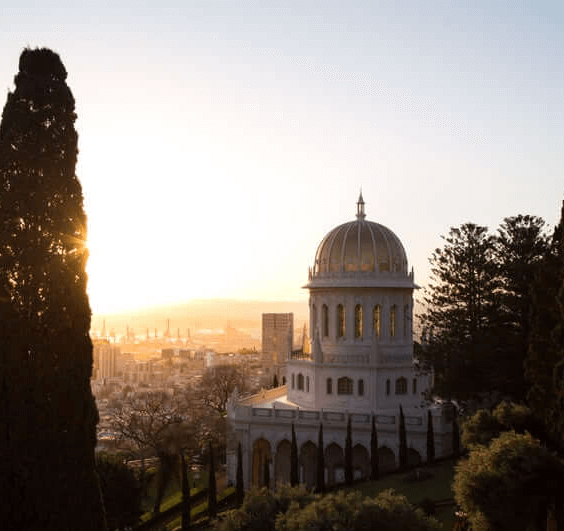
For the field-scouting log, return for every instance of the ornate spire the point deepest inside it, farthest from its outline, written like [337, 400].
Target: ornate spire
[360, 215]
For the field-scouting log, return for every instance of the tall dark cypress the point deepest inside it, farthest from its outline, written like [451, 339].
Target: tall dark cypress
[349, 455]
[239, 486]
[430, 439]
[320, 480]
[266, 476]
[212, 488]
[374, 463]
[185, 496]
[402, 441]
[455, 437]
[48, 429]
[294, 473]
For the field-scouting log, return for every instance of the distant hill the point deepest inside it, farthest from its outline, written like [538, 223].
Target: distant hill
[200, 314]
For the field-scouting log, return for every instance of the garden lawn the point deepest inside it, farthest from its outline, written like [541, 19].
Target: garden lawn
[436, 488]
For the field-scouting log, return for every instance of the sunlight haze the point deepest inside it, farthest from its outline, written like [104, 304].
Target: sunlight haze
[220, 141]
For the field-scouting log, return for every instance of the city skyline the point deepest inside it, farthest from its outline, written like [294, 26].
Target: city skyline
[219, 143]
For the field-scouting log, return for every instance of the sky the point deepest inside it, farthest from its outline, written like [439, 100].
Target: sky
[220, 141]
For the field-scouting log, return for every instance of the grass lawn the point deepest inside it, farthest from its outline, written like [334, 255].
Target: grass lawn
[196, 512]
[435, 488]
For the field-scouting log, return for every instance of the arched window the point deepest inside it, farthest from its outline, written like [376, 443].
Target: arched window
[344, 386]
[393, 321]
[361, 388]
[293, 381]
[387, 387]
[414, 385]
[307, 384]
[358, 321]
[406, 321]
[325, 319]
[401, 386]
[329, 386]
[376, 320]
[300, 382]
[340, 321]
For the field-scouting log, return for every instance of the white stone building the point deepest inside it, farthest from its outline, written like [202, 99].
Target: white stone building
[361, 364]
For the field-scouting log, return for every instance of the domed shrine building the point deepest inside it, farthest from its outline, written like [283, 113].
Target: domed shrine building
[360, 365]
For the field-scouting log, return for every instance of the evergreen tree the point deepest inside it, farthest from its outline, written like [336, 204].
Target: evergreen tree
[546, 339]
[239, 487]
[455, 437]
[320, 483]
[266, 477]
[374, 458]
[430, 439]
[49, 417]
[212, 489]
[349, 475]
[460, 312]
[185, 495]
[294, 472]
[275, 381]
[402, 441]
[121, 491]
[520, 245]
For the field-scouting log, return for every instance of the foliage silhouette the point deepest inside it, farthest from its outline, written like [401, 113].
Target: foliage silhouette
[49, 417]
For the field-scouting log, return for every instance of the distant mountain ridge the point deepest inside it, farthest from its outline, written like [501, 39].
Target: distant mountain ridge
[200, 314]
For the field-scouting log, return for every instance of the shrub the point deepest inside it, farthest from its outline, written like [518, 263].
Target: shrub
[349, 511]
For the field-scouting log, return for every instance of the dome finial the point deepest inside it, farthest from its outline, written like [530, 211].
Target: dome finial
[360, 215]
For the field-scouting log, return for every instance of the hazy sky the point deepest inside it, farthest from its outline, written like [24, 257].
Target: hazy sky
[220, 141]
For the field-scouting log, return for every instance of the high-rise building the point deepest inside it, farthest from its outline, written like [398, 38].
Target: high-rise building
[277, 337]
[105, 359]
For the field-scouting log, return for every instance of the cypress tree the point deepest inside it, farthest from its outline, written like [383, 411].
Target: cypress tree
[212, 494]
[275, 381]
[266, 476]
[320, 483]
[239, 487]
[294, 473]
[430, 439]
[455, 437]
[374, 463]
[402, 441]
[349, 455]
[48, 429]
[185, 496]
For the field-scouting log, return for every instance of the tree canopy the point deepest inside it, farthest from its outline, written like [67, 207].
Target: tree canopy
[477, 307]
[48, 429]
[343, 511]
[509, 485]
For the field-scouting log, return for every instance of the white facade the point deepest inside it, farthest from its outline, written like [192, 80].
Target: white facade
[361, 365]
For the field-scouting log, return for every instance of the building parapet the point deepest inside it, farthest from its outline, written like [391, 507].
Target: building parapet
[264, 395]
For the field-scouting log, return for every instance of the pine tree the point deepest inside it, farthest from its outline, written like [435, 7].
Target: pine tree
[349, 475]
[374, 458]
[402, 442]
[520, 245]
[212, 489]
[543, 365]
[239, 487]
[294, 473]
[320, 483]
[185, 495]
[430, 439]
[48, 429]
[460, 312]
